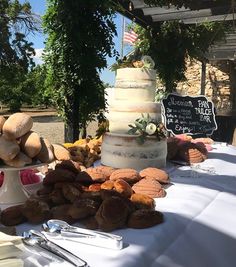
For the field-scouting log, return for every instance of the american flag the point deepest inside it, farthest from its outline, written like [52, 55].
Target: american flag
[130, 37]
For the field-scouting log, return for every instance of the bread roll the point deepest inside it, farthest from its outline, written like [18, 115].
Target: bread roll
[17, 125]
[2, 121]
[46, 153]
[30, 144]
[8, 149]
[60, 152]
[19, 161]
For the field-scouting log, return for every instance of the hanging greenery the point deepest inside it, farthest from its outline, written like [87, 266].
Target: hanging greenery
[80, 37]
[172, 42]
[181, 3]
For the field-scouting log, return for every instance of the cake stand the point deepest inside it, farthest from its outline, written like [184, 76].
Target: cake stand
[12, 191]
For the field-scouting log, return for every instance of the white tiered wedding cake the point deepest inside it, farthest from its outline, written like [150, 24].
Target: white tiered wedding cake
[134, 96]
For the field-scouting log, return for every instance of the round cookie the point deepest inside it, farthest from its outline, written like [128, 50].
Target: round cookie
[150, 187]
[129, 175]
[155, 173]
[98, 174]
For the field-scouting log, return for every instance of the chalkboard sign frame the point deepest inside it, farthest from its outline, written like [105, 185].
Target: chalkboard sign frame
[189, 103]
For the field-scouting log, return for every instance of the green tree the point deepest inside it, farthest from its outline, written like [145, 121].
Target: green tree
[80, 36]
[16, 53]
[172, 42]
[37, 81]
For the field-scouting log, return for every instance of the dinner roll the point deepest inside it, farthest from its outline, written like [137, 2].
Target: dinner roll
[46, 153]
[60, 152]
[19, 161]
[17, 125]
[8, 149]
[30, 144]
[2, 121]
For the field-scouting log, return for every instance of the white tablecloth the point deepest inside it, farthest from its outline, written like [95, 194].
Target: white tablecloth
[200, 221]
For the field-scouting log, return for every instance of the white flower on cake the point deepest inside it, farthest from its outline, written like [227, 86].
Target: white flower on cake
[150, 129]
[148, 62]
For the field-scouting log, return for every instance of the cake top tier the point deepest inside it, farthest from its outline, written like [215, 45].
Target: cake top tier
[135, 74]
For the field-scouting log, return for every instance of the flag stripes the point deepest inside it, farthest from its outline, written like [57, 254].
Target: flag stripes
[130, 37]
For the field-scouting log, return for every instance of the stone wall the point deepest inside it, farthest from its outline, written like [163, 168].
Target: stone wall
[217, 86]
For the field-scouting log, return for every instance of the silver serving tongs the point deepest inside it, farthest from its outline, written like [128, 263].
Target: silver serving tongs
[39, 240]
[90, 237]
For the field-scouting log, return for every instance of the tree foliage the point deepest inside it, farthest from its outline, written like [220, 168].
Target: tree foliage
[80, 36]
[16, 52]
[172, 42]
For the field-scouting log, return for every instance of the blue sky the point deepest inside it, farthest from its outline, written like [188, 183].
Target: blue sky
[39, 7]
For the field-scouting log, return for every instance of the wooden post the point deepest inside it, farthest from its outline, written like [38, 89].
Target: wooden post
[203, 78]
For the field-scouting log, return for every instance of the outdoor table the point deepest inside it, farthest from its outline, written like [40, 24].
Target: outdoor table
[200, 221]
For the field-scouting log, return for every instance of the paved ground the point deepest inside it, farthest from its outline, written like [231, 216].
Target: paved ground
[52, 128]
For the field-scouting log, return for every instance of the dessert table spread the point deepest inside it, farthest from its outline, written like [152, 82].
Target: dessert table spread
[199, 228]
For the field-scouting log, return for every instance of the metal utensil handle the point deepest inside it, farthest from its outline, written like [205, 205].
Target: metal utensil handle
[78, 230]
[63, 253]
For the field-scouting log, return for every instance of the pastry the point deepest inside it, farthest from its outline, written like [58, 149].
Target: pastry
[155, 173]
[192, 153]
[83, 208]
[150, 187]
[144, 218]
[30, 144]
[128, 175]
[95, 187]
[143, 201]
[70, 192]
[17, 125]
[98, 174]
[60, 152]
[12, 216]
[61, 213]
[69, 165]
[59, 175]
[108, 185]
[57, 197]
[36, 211]
[172, 147]
[112, 214]
[90, 223]
[123, 188]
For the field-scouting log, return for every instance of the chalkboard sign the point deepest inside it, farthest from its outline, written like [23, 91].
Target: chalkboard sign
[189, 115]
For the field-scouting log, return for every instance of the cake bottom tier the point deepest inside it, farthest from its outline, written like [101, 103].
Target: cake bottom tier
[123, 151]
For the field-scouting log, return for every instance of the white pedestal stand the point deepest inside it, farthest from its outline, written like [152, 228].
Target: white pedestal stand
[12, 191]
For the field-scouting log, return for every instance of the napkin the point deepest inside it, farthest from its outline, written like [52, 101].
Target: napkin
[10, 251]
